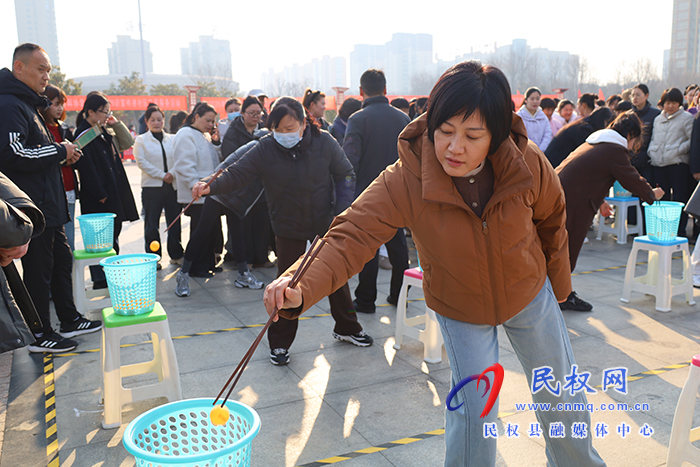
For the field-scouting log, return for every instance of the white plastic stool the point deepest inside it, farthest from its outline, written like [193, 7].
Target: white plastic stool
[658, 281]
[164, 362]
[619, 226]
[431, 337]
[81, 260]
[679, 448]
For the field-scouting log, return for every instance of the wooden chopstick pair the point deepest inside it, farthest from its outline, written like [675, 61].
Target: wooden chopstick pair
[218, 172]
[298, 274]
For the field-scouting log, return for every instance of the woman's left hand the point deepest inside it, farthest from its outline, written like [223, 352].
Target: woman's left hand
[168, 178]
[215, 136]
[605, 209]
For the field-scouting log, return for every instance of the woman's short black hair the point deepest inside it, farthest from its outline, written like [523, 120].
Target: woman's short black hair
[250, 100]
[563, 103]
[400, 103]
[531, 91]
[281, 108]
[94, 101]
[470, 87]
[151, 110]
[623, 106]
[588, 99]
[177, 120]
[599, 118]
[311, 96]
[671, 95]
[627, 124]
[613, 100]
[548, 103]
[642, 87]
[233, 100]
[349, 107]
[201, 109]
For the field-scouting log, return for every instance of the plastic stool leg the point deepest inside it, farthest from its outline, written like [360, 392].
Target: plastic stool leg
[679, 447]
[688, 276]
[432, 338]
[663, 283]
[601, 223]
[629, 273]
[401, 314]
[621, 224]
[112, 385]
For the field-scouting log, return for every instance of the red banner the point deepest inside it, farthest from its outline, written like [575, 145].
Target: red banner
[133, 102]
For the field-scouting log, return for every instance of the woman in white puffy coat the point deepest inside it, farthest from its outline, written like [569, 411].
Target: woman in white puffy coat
[669, 151]
[153, 151]
[197, 153]
[539, 130]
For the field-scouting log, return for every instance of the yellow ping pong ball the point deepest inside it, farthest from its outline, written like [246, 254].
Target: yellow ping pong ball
[219, 415]
[155, 245]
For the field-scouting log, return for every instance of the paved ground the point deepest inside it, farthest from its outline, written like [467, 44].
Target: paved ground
[335, 399]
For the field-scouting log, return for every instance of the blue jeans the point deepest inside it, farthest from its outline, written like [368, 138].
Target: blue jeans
[539, 336]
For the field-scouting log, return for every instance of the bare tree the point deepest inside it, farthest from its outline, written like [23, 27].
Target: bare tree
[422, 83]
[281, 87]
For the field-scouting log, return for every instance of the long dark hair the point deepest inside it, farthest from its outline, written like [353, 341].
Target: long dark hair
[200, 109]
[598, 120]
[177, 120]
[94, 101]
[52, 92]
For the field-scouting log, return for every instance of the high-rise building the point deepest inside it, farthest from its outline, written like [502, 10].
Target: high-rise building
[404, 58]
[125, 56]
[208, 57]
[322, 74]
[36, 23]
[684, 38]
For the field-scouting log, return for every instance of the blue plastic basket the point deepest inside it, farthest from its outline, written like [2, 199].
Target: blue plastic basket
[181, 434]
[131, 280]
[97, 231]
[662, 219]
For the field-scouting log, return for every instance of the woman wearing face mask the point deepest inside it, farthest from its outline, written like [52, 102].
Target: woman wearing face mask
[307, 180]
[669, 151]
[54, 115]
[154, 155]
[104, 186]
[197, 153]
[233, 110]
[241, 129]
[536, 122]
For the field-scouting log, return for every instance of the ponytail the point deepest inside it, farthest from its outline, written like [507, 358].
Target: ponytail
[94, 101]
[200, 109]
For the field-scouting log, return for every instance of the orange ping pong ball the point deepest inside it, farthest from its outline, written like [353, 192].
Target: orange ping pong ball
[219, 415]
[155, 245]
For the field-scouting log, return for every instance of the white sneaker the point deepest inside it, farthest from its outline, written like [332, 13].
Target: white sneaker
[182, 286]
[696, 281]
[247, 279]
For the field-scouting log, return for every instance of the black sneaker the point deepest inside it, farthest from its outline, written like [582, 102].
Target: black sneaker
[361, 339]
[392, 300]
[52, 343]
[279, 357]
[574, 303]
[79, 327]
[360, 309]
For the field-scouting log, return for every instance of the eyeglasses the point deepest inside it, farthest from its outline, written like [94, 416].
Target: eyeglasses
[253, 114]
[108, 114]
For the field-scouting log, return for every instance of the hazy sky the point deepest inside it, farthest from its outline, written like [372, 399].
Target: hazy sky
[273, 33]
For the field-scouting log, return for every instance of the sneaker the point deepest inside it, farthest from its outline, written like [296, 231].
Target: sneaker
[279, 357]
[384, 262]
[361, 339]
[359, 309]
[52, 343]
[392, 300]
[79, 327]
[182, 284]
[574, 303]
[176, 261]
[247, 279]
[696, 281]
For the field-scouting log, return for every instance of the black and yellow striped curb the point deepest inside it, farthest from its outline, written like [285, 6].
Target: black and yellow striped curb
[51, 428]
[373, 449]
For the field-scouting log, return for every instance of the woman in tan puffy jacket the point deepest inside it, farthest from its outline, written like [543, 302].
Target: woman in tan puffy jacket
[487, 214]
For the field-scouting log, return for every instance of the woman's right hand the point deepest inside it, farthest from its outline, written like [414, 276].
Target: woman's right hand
[200, 189]
[168, 178]
[279, 295]
[696, 176]
[659, 192]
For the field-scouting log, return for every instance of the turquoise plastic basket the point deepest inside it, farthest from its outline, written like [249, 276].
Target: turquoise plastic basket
[662, 219]
[131, 280]
[620, 192]
[97, 231]
[180, 434]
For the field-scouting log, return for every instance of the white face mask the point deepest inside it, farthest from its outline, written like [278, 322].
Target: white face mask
[288, 140]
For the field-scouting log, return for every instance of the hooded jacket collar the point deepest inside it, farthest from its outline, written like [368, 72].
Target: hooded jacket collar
[607, 136]
[11, 85]
[511, 173]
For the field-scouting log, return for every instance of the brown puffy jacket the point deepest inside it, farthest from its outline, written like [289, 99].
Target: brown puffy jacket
[479, 270]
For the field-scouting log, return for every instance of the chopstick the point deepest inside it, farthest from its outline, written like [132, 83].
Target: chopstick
[305, 263]
[218, 172]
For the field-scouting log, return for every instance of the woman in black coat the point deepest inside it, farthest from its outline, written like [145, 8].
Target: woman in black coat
[574, 135]
[104, 186]
[307, 180]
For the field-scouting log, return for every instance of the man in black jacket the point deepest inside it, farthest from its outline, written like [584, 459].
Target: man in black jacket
[31, 158]
[371, 145]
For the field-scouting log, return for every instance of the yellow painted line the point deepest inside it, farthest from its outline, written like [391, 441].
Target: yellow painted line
[50, 401]
[406, 440]
[206, 333]
[674, 367]
[51, 430]
[49, 390]
[333, 460]
[51, 448]
[48, 378]
[634, 378]
[652, 372]
[441, 431]
[48, 367]
[232, 329]
[180, 337]
[51, 415]
[54, 463]
[370, 450]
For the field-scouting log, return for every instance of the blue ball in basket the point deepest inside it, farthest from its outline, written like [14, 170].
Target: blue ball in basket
[180, 434]
[131, 280]
[662, 220]
[97, 231]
